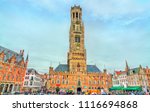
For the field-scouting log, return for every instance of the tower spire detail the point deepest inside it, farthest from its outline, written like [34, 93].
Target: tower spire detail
[127, 67]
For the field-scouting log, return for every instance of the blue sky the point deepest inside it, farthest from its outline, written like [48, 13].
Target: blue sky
[115, 31]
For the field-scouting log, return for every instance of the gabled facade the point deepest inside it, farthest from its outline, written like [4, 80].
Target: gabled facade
[132, 77]
[33, 81]
[12, 70]
[137, 77]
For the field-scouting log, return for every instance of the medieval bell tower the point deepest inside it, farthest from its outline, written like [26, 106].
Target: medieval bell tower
[77, 52]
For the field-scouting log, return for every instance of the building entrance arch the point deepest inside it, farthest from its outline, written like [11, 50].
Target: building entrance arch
[79, 90]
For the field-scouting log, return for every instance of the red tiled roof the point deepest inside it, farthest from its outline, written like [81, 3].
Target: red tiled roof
[119, 72]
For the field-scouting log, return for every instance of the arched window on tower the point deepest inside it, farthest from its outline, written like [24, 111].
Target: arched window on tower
[77, 15]
[77, 39]
[73, 15]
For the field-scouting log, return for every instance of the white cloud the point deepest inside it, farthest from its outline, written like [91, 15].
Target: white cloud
[115, 8]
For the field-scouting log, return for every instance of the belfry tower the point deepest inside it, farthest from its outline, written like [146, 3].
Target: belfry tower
[77, 52]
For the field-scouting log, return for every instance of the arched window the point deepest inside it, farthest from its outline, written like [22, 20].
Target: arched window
[79, 83]
[77, 39]
[76, 14]
[73, 15]
[52, 81]
[63, 82]
[58, 81]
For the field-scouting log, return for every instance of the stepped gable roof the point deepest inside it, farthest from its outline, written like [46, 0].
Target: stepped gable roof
[65, 68]
[9, 53]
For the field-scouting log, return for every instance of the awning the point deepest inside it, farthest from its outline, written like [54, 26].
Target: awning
[116, 88]
[133, 88]
[129, 88]
[57, 85]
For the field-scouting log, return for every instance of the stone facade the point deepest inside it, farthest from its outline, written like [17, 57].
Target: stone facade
[76, 75]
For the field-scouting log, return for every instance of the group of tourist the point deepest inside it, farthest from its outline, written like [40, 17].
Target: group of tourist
[86, 93]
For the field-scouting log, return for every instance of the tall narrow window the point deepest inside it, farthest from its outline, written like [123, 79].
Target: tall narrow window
[73, 15]
[76, 15]
[63, 82]
[58, 81]
[77, 39]
[79, 83]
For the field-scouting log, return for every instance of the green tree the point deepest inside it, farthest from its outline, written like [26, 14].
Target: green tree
[57, 89]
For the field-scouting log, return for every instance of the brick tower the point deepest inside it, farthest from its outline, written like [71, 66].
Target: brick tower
[77, 52]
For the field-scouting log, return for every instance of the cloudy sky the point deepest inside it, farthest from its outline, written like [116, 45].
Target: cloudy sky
[115, 31]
